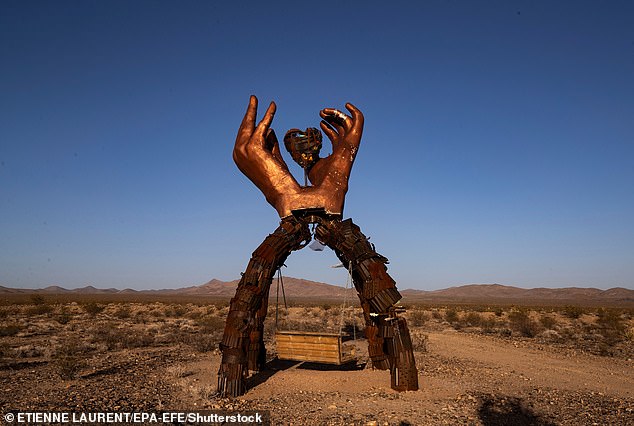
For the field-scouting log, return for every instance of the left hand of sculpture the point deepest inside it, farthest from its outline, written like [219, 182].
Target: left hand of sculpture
[257, 154]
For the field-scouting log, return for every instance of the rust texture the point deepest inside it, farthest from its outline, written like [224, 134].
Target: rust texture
[258, 156]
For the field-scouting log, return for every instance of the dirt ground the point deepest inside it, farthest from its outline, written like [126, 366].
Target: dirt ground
[465, 378]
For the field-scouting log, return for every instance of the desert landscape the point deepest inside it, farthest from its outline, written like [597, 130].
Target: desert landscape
[486, 354]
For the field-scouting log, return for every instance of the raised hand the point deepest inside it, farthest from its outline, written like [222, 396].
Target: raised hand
[257, 155]
[345, 133]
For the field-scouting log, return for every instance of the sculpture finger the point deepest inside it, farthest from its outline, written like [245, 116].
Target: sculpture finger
[332, 135]
[248, 122]
[339, 117]
[272, 145]
[357, 117]
[334, 121]
[264, 124]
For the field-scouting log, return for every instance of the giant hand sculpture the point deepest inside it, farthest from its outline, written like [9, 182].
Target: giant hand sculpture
[257, 155]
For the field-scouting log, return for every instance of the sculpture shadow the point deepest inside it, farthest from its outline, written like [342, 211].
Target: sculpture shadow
[270, 368]
[348, 366]
[505, 410]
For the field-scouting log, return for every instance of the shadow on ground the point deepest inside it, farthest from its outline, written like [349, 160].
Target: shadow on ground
[506, 410]
[277, 364]
[270, 368]
[349, 366]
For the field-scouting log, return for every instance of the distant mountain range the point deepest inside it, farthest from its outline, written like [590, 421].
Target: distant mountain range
[305, 289]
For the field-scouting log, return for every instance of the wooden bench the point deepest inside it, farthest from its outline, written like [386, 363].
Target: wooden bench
[309, 346]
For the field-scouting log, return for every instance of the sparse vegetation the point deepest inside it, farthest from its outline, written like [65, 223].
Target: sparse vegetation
[9, 330]
[135, 341]
[521, 322]
[548, 322]
[418, 317]
[573, 312]
[69, 359]
[451, 316]
[473, 319]
[93, 308]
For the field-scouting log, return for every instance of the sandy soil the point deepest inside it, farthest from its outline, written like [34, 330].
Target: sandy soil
[465, 378]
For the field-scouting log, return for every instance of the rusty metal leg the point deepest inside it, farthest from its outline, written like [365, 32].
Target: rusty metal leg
[376, 349]
[256, 355]
[403, 372]
[242, 344]
[389, 343]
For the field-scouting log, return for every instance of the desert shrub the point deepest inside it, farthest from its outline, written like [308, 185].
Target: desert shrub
[505, 332]
[106, 333]
[69, 359]
[473, 319]
[451, 316]
[211, 323]
[548, 322]
[4, 313]
[122, 312]
[29, 351]
[573, 312]
[176, 311]
[610, 318]
[610, 325]
[93, 308]
[9, 330]
[63, 317]
[39, 309]
[436, 314]
[37, 299]
[521, 322]
[113, 337]
[5, 350]
[194, 314]
[203, 342]
[179, 371]
[157, 313]
[137, 339]
[498, 311]
[488, 325]
[418, 318]
[325, 306]
[419, 341]
[204, 392]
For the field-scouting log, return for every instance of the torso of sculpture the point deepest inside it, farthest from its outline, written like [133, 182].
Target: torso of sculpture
[257, 154]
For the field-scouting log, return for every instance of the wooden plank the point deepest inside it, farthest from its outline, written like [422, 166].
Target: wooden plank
[306, 349]
[305, 339]
[316, 339]
[311, 356]
[334, 361]
[305, 333]
[326, 347]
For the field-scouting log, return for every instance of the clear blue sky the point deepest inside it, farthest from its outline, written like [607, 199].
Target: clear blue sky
[498, 146]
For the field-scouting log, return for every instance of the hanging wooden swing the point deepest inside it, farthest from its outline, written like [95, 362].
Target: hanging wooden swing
[309, 346]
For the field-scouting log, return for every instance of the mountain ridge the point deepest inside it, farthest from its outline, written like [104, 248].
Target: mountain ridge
[302, 288]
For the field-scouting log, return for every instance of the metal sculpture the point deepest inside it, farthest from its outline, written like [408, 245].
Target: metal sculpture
[257, 155]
